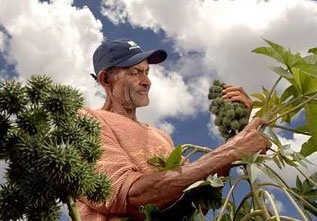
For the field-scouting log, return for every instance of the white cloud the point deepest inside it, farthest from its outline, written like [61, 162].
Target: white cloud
[54, 38]
[165, 126]
[213, 130]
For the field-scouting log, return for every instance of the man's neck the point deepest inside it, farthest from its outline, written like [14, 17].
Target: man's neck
[130, 113]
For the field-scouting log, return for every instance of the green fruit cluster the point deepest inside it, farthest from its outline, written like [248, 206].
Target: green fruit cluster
[230, 117]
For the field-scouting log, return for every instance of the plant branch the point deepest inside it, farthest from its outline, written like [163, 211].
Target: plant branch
[245, 198]
[286, 218]
[289, 129]
[232, 196]
[273, 205]
[292, 109]
[260, 204]
[195, 149]
[252, 214]
[73, 211]
[284, 106]
[198, 148]
[239, 179]
[286, 190]
[270, 94]
[294, 203]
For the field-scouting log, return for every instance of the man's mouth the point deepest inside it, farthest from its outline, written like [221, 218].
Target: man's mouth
[143, 92]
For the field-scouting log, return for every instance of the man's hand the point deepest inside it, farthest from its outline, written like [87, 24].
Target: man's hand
[250, 141]
[234, 93]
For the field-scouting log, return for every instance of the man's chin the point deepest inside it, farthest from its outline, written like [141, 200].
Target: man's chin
[142, 104]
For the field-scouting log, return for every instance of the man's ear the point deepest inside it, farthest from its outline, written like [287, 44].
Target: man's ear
[103, 77]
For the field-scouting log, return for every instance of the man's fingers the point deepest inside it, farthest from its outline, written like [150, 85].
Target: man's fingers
[255, 124]
[231, 94]
[234, 93]
[230, 88]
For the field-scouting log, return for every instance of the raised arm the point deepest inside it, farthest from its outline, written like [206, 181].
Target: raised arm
[163, 188]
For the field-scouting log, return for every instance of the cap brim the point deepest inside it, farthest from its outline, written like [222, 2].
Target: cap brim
[153, 57]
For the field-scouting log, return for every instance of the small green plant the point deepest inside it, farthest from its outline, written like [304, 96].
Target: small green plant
[50, 151]
[230, 117]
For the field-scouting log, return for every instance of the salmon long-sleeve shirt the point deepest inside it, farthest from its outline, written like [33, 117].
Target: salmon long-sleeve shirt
[127, 145]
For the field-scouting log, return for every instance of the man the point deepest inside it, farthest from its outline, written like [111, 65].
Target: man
[122, 69]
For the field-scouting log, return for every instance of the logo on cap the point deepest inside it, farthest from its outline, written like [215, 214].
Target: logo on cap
[133, 45]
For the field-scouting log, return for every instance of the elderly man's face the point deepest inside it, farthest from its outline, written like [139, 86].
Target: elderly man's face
[132, 85]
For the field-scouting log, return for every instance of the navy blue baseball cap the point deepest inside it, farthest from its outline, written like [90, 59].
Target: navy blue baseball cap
[123, 52]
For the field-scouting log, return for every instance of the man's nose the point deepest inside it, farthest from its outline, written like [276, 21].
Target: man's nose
[145, 81]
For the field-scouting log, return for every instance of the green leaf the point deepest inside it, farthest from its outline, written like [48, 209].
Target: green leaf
[258, 96]
[157, 162]
[175, 158]
[148, 210]
[196, 184]
[278, 53]
[277, 161]
[282, 72]
[310, 59]
[266, 104]
[309, 147]
[274, 137]
[197, 216]
[305, 83]
[215, 181]
[212, 180]
[306, 190]
[253, 173]
[288, 92]
[299, 184]
[297, 157]
[289, 161]
[288, 58]
[313, 50]
[268, 52]
[308, 68]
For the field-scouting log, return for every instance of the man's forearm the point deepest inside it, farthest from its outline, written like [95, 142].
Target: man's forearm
[164, 188]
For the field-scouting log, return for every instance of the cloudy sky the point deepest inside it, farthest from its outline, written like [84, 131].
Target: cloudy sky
[205, 40]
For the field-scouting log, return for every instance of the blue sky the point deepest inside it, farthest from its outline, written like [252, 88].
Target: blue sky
[205, 40]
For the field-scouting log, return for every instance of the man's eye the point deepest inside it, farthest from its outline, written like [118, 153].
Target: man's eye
[134, 72]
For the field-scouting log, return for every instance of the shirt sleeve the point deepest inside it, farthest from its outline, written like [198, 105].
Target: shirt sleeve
[118, 167]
